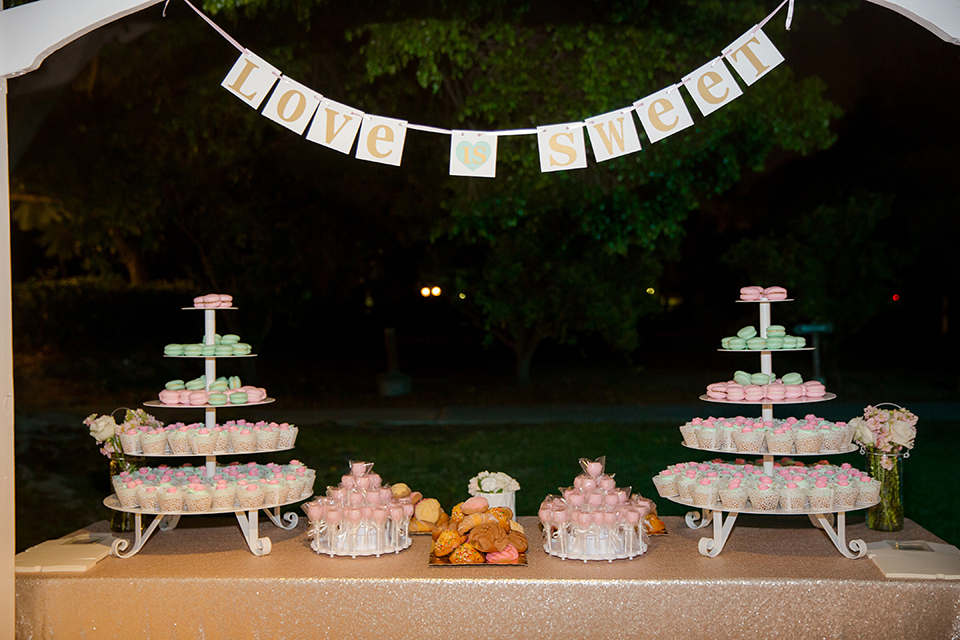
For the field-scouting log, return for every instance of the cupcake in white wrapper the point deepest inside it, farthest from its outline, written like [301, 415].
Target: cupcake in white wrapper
[764, 497]
[153, 442]
[820, 496]
[792, 497]
[708, 437]
[666, 484]
[748, 440]
[243, 440]
[780, 440]
[808, 439]
[222, 443]
[705, 493]
[689, 433]
[202, 441]
[179, 440]
[267, 438]
[250, 495]
[196, 498]
[148, 497]
[130, 441]
[869, 490]
[845, 493]
[287, 435]
[224, 495]
[127, 495]
[171, 498]
[733, 496]
[274, 492]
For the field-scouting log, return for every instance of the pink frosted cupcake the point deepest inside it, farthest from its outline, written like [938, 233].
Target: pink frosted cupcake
[196, 497]
[224, 495]
[708, 437]
[295, 486]
[748, 440]
[764, 497]
[250, 495]
[869, 490]
[267, 438]
[821, 495]
[274, 491]
[127, 495]
[202, 441]
[705, 493]
[845, 492]
[179, 440]
[148, 497]
[243, 441]
[808, 439]
[171, 498]
[287, 436]
[153, 442]
[792, 497]
[685, 485]
[222, 443]
[666, 483]
[130, 441]
[831, 437]
[780, 440]
[689, 433]
[733, 496]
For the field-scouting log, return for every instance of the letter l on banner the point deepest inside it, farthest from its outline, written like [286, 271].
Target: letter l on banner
[250, 79]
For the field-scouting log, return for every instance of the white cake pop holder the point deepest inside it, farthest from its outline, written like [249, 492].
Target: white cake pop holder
[359, 517]
[594, 519]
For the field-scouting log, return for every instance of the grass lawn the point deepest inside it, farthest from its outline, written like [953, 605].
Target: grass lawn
[62, 479]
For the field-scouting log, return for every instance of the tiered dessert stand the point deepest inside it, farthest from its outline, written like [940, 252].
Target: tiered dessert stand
[168, 520]
[722, 526]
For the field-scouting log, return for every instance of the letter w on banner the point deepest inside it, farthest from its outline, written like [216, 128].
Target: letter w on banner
[753, 55]
[561, 147]
[250, 79]
[613, 134]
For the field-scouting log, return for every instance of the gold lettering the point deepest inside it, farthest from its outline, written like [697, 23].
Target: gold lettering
[478, 155]
[297, 111]
[703, 86]
[379, 133]
[248, 67]
[751, 56]
[616, 135]
[555, 145]
[657, 109]
[331, 122]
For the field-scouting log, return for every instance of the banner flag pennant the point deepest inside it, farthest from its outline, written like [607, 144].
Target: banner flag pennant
[473, 153]
[250, 79]
[613, 134]
[663, 113]
[381, 139]
[561, 147]
[335, 125]
[712, 86]
[753, 55]
[292, 105]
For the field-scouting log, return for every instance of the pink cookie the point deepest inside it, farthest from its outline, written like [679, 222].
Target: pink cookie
[793, 391]
[168, 396]
[753, 392]
[776, 391]
[751, 293]
[775, 293]
[198, 302]
[198, 398]
[476, 504]
[735, 392]
[226, 300]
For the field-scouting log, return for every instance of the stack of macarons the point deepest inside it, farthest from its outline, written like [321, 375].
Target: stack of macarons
[757, 387]
[777, 339]
[213, 301]
[755, 293]
[223, 346]
[220, 392]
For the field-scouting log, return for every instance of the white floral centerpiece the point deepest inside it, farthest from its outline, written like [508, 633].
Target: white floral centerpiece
[498, 488]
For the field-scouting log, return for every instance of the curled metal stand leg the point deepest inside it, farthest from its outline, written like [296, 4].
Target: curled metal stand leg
[141, 537]
[249, 525]
[290, 519]
[692, 517]
[169, 523]
[712, 547]
[838, 537]
[816, 521]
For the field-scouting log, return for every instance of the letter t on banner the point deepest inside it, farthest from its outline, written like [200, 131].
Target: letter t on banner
[712, 86]
[381, 140]
[250, 79]
[753, 55]
[613, 134]
[561, 147]
[473, 153]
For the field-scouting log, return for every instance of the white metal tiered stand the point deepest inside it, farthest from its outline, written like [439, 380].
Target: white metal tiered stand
[166, 521]
[722, 527]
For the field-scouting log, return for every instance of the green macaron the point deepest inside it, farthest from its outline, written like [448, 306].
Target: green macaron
[747, 332]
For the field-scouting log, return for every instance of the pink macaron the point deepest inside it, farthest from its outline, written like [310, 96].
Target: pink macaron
[198, 398]
[751, 293]
[775, 293]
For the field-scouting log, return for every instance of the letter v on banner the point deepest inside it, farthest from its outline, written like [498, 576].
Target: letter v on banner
[250, 79]
[335, 125]
[613, 134]
[753, 55]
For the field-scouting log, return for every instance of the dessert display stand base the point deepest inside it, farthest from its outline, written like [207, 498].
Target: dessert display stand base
[167, 521]
[722, 527]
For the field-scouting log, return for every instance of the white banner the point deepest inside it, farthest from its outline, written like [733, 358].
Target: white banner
[473, 153]
[250, 79]
[712, 86]
[753, 55]
[663, 113]
[335, 126]
[381, 140]
[561, 147]
[292, 105]
[613, 134]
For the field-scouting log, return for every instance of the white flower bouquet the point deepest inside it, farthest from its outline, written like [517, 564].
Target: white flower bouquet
[497, 482]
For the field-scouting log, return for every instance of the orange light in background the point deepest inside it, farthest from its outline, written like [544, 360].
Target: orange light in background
[435, 291]
[425, 292]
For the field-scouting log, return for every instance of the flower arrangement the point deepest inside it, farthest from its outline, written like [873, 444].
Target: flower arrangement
[105, 430]
[497, 482]
[888, 431]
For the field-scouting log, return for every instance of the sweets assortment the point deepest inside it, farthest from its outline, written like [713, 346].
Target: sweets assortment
[774, 390]
[736, 487]
[230, 487]
[359, 517]
[776, 338]
[221, 391]
[221, 346]
[213, 301]
[757, 293]
[594, 519]
[479, 534]
[233, 436]
[809, 435]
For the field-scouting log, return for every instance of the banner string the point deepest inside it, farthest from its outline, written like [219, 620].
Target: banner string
[508, 132]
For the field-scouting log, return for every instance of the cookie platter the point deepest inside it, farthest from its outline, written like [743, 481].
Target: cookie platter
[766, 401]
[246, 517]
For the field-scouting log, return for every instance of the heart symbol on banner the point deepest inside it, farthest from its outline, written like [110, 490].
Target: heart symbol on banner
[473, 156]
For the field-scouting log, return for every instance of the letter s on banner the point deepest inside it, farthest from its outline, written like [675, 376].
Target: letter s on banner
[753, 55]
[250, 79]
[381, 139]
[561, 147]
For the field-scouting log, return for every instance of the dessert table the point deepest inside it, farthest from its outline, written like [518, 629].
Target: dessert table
[202, 582]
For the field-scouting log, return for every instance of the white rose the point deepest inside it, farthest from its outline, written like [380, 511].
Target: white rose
[103, 428]
[862, 432]
[902, 433]
[489, 484]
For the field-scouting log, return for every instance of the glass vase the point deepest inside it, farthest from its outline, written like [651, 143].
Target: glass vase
[887, 468]
[122, 521]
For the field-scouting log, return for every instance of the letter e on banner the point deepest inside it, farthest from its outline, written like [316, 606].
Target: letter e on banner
[381, 139]
[561, 147]
[473, 153]
[712, 86]
[335, 125]
[250, 79]
[292, 105]
[753, 55]
[613, 134]
[663, 113]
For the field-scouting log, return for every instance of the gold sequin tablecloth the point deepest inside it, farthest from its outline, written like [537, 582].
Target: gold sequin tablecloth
[777, 576]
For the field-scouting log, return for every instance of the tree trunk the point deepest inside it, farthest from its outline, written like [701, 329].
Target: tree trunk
[524, 349]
